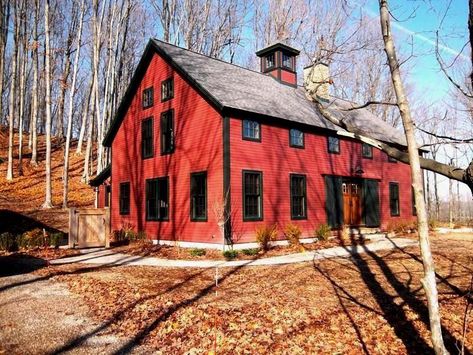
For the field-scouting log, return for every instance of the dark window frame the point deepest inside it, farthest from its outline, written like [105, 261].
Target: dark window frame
[157, 199]
[167, 150]
[170, 82]
[124, 198]
[193, 196]
[329, 146]
[292, 196]
[247, 138]
[266, 60]
[260, 196]
[393, 199]
[365, 146]
[147, 100]
[291, 60]
[291, 143]
[150, 154]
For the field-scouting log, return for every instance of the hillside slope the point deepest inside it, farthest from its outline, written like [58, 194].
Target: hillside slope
[24, 196]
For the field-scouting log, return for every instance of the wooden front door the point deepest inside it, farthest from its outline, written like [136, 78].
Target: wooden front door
[351, 203]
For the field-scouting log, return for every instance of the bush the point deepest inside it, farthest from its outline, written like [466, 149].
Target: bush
[323, 231]
[56, 239]
[266, 234]
[230, 254]
[402, 226]
[197, 252]
[8, 242]
[250, 252]
[141, 235]
[292, 233]
[35, 238]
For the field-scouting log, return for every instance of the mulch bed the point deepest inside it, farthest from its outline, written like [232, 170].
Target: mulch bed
[145, 248]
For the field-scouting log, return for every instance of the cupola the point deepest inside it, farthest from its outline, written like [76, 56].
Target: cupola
[279, 61]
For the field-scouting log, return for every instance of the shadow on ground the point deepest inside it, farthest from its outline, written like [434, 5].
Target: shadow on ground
[19, 264]
[17, 223]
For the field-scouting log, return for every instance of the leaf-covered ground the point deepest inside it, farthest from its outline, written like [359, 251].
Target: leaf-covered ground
[373, 303]
[22, 197]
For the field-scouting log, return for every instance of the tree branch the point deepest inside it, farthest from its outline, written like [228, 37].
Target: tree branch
[368, 104]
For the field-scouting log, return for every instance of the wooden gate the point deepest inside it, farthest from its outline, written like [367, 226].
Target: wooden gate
[89, 227]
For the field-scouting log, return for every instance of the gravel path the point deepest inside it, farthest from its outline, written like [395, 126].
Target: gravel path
[39, 316]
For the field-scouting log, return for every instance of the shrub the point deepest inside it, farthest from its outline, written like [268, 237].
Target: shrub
[292, 233]
[266, 234]
[230, 254]
[402, 226]
[35, 238]
[323, 231]
[197, 252]
[8, 242]
[250, 252]
[56, 239]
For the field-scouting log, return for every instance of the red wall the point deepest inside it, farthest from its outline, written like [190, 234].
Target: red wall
[276, 159]
[198, 147]
[101, 193]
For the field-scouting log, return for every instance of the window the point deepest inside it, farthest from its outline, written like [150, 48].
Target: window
[296, 138]
[394, 198]
[287, 61]
[157, 199]
[367, 151]
[167, 132]
[148, 97]
[270, 61]
[108, 191]
[251, 130]
[199, 196]
[147, 138]
[333, 145]
[167, 89]
[252, 196]
[298, 197]
[124, 198]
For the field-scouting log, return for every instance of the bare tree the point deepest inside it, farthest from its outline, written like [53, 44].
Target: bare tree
[35, 88]
[65, 176]
[13, 81]
[4, 19]
[48, 196]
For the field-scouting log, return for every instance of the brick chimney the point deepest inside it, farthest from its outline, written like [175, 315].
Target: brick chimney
[317, 80]
[279, 61]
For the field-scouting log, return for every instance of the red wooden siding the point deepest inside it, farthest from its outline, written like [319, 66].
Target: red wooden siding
[101, 194]
[198, 147]
[277, 160]
[288, 77]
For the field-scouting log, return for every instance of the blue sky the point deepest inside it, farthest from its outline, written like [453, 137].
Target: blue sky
[419, 21]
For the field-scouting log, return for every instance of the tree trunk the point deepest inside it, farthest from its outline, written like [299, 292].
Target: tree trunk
[34, 109]
[4, 18]
[429, 281]
[12, 106]
[71, 102]
[22, 89]
[48, 198]
[85, 116]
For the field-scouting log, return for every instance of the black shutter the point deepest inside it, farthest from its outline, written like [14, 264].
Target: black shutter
[334, 201]
[371, 203]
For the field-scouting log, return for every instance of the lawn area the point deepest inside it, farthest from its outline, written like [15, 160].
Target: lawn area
[371, 303]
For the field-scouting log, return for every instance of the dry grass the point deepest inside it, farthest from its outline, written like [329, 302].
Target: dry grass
[373, 303]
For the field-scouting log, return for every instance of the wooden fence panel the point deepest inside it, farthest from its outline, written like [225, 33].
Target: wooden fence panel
[89, 227]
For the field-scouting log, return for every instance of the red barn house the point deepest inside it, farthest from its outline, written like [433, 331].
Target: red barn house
[203, 152]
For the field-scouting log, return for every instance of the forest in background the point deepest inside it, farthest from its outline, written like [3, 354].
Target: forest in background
[64, 66]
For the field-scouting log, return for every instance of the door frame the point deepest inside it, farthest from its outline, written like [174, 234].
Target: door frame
[359, 182]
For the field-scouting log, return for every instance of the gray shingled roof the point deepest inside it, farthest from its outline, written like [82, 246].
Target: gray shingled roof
[243, 89]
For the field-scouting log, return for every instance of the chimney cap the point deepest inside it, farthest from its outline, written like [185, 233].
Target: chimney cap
[275, 46]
